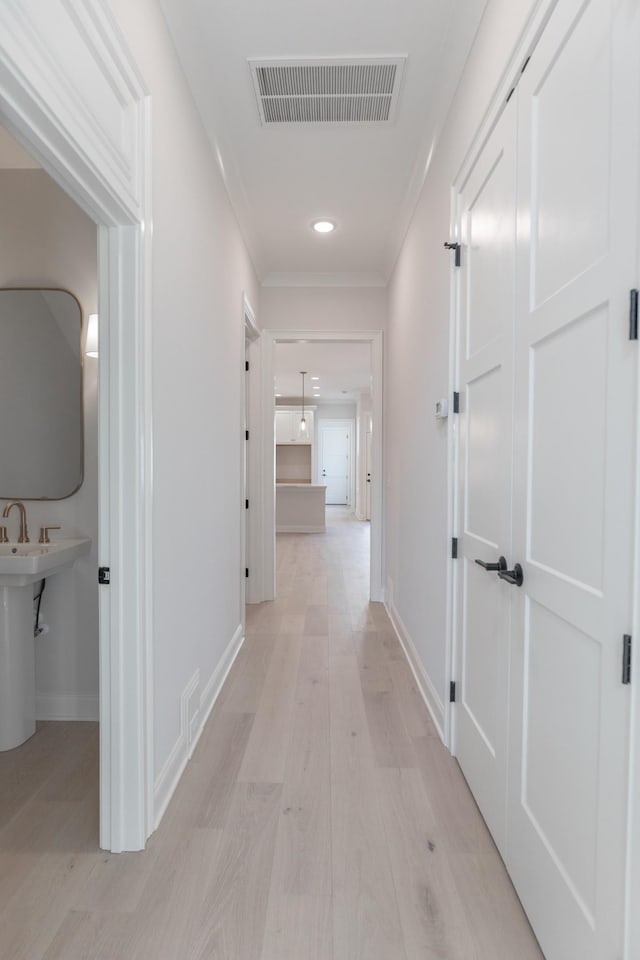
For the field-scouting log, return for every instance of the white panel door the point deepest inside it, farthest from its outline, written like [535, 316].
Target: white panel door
[487, 224]
[335, 461]
[575, 374]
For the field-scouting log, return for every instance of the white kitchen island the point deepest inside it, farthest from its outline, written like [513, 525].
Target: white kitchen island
[300, 508]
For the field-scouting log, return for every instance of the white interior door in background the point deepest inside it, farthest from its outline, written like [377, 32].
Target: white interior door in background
[487, 227]
[575, 375]
[335, 460]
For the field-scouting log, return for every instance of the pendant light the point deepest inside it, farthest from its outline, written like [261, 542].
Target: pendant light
[302, 430]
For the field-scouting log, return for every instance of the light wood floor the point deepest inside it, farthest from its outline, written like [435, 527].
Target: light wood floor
[320, 818]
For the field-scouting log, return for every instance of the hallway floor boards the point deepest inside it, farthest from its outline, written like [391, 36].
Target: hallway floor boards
[319, 819]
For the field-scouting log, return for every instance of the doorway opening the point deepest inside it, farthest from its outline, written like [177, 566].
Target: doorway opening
[358, 408]
[46, 119]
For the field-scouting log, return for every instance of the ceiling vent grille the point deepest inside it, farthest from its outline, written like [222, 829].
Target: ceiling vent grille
[327, 91]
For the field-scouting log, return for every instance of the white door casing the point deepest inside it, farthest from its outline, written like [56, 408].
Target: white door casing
[487, 228]
[575, 375]
[335, 460]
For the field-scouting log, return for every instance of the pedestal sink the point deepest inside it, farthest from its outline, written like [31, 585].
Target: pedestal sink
[21, 565]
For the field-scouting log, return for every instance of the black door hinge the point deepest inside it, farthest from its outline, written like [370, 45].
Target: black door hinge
[246, 434]
[246, 365]
[452, 692]
[454, 548]
[456, 247]
[633, 315]
[246, 572]
[626, 658]
[456, 402]
[104, 575]
[246, 504]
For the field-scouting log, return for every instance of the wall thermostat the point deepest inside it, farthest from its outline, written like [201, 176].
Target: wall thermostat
[442, 409]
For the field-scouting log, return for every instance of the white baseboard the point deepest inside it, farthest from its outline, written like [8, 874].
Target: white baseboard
[214, 686]
[427, 690]
[301, 528]
[194, 713]
[67, 706]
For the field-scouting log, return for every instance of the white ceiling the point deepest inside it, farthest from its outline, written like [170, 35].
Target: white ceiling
[366, 178]
[343, 369]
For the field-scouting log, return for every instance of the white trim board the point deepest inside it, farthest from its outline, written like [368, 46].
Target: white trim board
[269, 339]
[424, 683]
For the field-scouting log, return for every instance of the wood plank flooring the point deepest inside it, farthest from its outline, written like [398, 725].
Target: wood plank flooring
[319, 819]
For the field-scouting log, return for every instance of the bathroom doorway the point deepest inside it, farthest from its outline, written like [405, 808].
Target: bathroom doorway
[49, 291]
[96, 147]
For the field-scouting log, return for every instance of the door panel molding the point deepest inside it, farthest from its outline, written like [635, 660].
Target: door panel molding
[571, 855]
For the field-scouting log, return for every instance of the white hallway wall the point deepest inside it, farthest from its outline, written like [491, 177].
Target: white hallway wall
[200, 269]
[416, 449]
[323, 308]
[47, 241]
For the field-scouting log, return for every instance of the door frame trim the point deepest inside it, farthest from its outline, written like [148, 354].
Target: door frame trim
[269, 340]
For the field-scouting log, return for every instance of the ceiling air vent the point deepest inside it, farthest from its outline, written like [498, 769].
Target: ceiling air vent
[361, 90]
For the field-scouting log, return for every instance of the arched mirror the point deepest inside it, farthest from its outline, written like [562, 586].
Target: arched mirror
[41, 422]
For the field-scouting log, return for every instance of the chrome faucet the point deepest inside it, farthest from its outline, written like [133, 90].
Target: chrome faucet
[24, 533]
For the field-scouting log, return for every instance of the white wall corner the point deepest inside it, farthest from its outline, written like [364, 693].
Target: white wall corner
[425, 685]
[195, 708]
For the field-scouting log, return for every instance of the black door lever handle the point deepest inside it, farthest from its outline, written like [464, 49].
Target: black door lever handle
[515, 577]
[500, 565]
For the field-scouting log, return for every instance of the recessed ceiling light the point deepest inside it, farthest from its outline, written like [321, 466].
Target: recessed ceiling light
[315, 378]
[278, 394]
[323, 226]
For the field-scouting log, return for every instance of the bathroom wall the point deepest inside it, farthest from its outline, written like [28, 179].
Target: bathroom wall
[47, 241]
